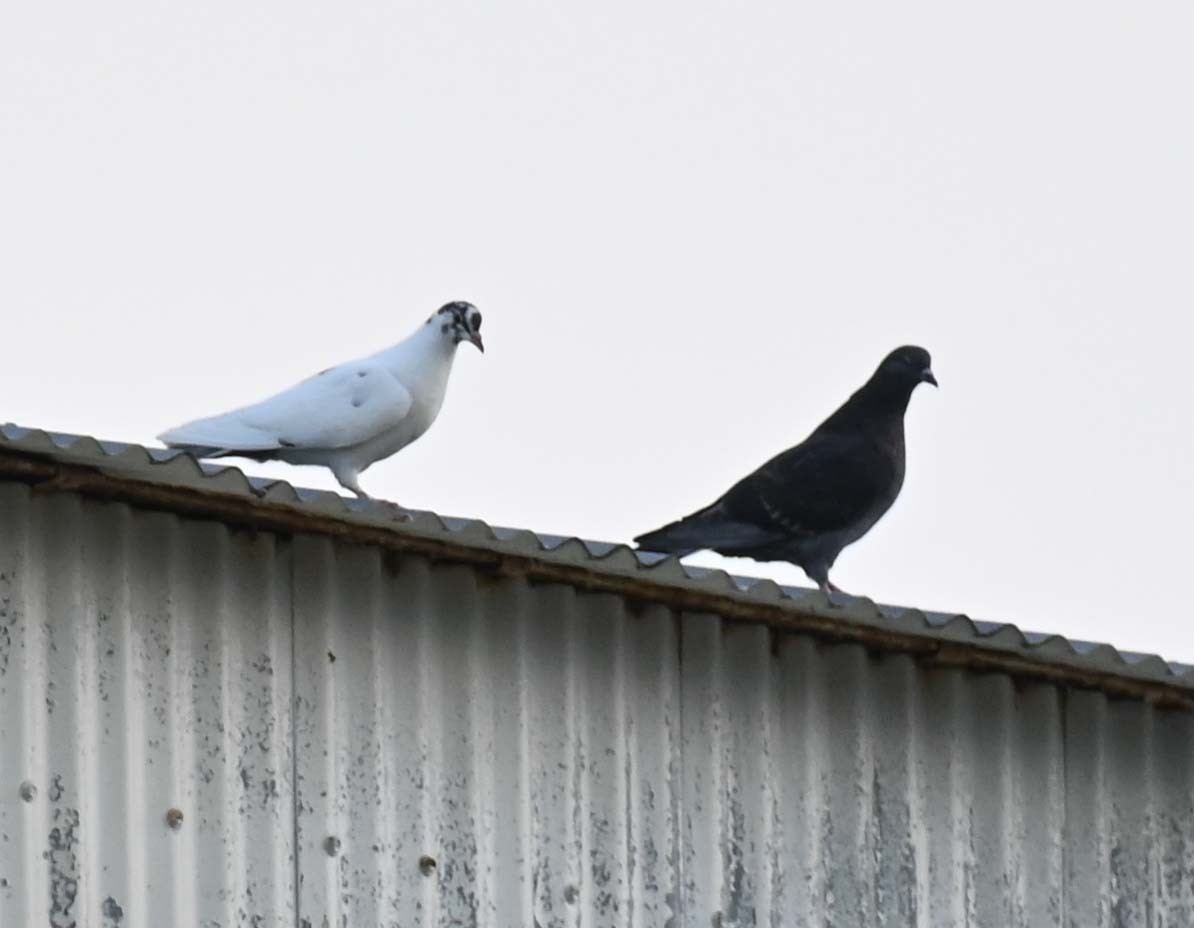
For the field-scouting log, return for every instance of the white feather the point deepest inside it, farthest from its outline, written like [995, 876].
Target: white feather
[344, 418]
[341, 407]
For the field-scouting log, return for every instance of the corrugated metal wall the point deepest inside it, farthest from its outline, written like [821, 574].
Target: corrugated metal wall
[145, 666]
[354, 740]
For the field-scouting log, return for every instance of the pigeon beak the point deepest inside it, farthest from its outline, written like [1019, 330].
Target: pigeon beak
[926, 376]
[475, 338]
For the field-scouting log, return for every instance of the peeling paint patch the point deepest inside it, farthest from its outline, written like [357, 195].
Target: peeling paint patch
[64, 868]
[112, 911]
[8, 620]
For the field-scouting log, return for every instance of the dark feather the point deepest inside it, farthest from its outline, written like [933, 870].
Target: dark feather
[824, 484]
[809, 502]
[713, 528]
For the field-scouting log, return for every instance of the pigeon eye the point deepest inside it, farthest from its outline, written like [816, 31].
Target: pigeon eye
[476, 322]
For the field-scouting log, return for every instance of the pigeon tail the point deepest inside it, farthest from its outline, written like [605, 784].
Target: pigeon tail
[666, 541]
[712, 528]
[199, 451]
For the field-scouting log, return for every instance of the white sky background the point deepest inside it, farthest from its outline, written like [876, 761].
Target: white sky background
[692, 227]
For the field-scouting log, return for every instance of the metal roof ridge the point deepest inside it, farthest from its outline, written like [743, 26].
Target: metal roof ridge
[168, 468]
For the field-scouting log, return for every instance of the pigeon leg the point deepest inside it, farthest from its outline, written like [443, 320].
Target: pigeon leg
[834, 594]
[819, 574]
[349, 480]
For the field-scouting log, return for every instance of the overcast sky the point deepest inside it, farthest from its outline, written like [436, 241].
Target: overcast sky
[693, 228]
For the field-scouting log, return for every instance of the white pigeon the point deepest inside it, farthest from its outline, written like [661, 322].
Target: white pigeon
[347, 417]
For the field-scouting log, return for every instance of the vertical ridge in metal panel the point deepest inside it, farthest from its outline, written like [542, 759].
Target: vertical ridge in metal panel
[598, 680]
[66, 821]
[988, 717]
[381, 854]
[1087, 897]
[897, 834]
[430, 758]
[801, 787]
[336, 739]
[743, 759]
[119, 771]
[941, 780]
[526, 625]
[549, 701]
[650, 710]
[401, 659]
[701, 746]
[1038, 808]
[1131, 829]
[21, 880]
[461, 888]
[196, 573]
[502, 679]
[1173, 805]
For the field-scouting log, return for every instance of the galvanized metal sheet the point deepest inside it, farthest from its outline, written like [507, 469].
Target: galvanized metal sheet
[476, 752]
[358, 738]
[565, 760]
[175, 469]
[145, 685]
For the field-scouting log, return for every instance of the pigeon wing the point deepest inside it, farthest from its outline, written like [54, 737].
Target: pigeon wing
[825, 484]
[339, 408]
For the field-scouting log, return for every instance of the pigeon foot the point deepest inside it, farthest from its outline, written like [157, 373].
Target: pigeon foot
[838, 598]
[399, 513]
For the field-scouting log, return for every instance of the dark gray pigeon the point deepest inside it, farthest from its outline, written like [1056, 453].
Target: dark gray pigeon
[807, 503]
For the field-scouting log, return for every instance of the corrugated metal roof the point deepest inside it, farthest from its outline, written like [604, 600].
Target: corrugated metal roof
[206, 722]
[171, 480]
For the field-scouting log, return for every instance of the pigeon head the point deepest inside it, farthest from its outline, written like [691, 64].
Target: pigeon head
[460, 322]
[905, 368]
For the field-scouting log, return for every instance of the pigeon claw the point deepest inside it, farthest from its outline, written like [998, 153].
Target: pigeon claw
[398, 513]
[838, 598]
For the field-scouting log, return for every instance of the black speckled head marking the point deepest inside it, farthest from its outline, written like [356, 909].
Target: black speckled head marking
[461, 321]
